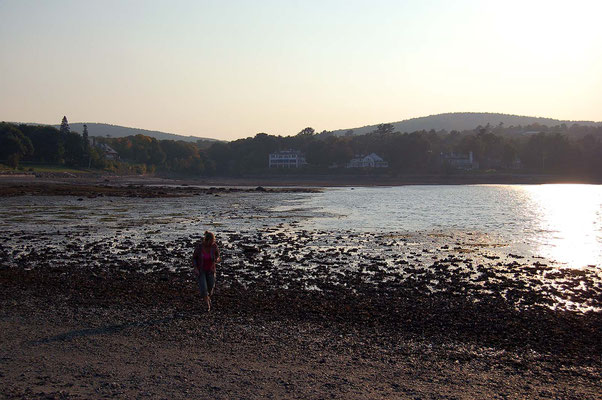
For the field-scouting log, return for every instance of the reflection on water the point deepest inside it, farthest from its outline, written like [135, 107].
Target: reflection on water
[570, 222]
[559, 222]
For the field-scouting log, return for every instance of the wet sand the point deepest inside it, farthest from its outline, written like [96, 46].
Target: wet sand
[82, 320]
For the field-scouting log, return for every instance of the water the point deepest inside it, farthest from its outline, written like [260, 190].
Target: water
[560, 222]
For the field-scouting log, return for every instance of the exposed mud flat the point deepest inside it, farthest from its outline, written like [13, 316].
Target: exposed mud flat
[116, 189]
[297, 313]
[284, 257]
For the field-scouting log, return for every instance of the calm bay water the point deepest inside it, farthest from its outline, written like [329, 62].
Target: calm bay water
[561, 222]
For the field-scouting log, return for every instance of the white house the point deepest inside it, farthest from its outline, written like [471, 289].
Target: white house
[286, 159]
[370, 161]
[460, 161]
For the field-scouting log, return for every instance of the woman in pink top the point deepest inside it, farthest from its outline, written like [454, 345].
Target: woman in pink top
[206, 255]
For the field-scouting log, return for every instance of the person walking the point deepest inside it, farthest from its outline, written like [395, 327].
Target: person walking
[206, 256]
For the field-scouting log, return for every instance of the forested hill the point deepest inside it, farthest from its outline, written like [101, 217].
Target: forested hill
[465, 121]
[116, 131]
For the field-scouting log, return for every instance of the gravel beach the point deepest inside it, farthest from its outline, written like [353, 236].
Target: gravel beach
[120, 317]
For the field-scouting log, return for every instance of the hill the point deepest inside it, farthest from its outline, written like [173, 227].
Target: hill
[115, 131]
[465, 121]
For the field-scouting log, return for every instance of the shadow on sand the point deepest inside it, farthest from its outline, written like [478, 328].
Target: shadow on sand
[103, 330]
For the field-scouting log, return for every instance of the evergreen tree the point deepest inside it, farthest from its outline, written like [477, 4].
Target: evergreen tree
[65, 129]
[85, 136]
[86, 147]
[72, 143]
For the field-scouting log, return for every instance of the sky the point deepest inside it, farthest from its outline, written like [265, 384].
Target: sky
[231, 69]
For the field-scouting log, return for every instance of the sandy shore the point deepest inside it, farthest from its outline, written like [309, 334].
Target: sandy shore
[87, 318]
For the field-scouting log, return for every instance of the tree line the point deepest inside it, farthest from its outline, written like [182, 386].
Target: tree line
[571, 151]
[43, 144]
[46, 144]
[574, 151]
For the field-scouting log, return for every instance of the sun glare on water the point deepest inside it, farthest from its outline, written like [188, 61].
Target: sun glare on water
[570, 222]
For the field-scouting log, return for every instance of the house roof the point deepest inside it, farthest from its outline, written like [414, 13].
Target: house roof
[374, 157]
[107, 148]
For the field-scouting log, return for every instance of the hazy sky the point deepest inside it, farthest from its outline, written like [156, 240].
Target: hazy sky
[230, 69]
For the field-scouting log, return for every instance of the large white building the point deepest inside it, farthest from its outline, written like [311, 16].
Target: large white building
[370, 161]
[460, 161]
[287, 159]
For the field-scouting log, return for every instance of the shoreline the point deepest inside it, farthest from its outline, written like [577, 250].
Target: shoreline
[153, 187]
[367, 181]
[293, 180]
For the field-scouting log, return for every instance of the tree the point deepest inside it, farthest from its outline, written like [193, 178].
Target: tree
[221, 155]
[383, 129]
[87, 160]
[13, 144]
[182, 157]
[72, 143]
[47, 142]
[318, 153]
[86, 140]
[65, 129]
[309, 131]
[73, 148]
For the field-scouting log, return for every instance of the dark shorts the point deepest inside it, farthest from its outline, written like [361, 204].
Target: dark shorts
[206, 280]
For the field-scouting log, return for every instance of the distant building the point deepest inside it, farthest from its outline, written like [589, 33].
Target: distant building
[516, 164]
[459, 160]
[109, 152]
[370, 161]
[287, 159]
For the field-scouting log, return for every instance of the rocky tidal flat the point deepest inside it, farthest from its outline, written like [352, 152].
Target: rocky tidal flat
[298, 312]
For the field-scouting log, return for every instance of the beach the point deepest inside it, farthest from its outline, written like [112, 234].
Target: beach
[362, 316]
